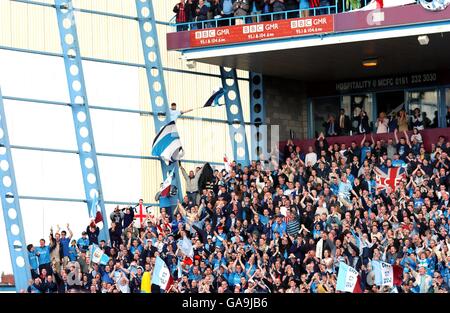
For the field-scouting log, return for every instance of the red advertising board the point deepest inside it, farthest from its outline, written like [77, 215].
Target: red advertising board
[262, 31]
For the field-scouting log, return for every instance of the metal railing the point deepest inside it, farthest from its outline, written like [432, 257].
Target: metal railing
[262, 17]
[340, 6]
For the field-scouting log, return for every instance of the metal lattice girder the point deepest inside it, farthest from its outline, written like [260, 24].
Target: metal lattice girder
[235, 116]
[257, 117]
[80, 108]
[155, 78]
[11, 209]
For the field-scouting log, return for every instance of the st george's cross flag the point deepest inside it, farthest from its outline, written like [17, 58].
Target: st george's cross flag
[161, 275]
[389, 178]
[140, 214]
[214, 99]
[348, 279]
[167, 144]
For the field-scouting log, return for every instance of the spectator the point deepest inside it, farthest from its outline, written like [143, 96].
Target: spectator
[201, 14]
[181, 16]
[402, 121]
[257, 9]
[278, 6]
[325, 7]
[292, 5]
[192, 183]
[227, 11]
[448, 116]
[382, 124]
[331, 127]
[43, 254]
[417, 120]
[190, 7]
[241, 8]
[363, 123]
[304, 7]
[33, 260]
[344, 124]
[393, 122]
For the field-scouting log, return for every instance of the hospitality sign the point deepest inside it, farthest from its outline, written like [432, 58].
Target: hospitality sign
[262, 31]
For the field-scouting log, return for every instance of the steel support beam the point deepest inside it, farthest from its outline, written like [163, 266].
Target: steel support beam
[259, 132]
[155, 79]
[235, 116]
[80, 108]
[12, 215]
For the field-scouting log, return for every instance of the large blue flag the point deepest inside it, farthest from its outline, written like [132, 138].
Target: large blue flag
[167, 144]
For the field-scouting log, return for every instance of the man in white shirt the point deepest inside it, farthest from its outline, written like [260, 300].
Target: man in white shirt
[311, 157]
[174, 113]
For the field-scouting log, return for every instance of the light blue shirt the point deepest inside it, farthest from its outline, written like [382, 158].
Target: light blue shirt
[44, 254]
[344, 189]
[174, 114]
[227, 7]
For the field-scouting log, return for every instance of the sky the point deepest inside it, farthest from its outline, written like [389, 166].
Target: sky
[58, 175]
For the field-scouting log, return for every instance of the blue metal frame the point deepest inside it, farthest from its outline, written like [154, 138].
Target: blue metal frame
[156, 84]
[80, 108]
[235, 116]
[258, 131]
[12, 215]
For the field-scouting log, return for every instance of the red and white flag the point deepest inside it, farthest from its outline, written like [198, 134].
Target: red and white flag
[348, 279]
[165, 188]
[141, 214]
[226, 163]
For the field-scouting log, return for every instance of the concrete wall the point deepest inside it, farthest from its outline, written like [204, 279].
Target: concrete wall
[286, 106]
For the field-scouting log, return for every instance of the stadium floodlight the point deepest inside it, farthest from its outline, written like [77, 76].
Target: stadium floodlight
[423, 40]
[373, 62]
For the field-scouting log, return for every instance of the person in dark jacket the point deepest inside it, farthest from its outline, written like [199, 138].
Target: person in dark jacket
[201, 14]
[189, 9]
[93, 231]
[50, 286]
[343, 123]
[363, 123]
[278, 6]
[114, 235]
[292, 5]
[241, 8]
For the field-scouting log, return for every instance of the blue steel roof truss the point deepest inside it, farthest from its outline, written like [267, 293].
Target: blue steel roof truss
[12, 215]
[155, 78]
[80, 108]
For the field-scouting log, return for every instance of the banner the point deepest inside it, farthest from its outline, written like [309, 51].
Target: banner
[98, 256]
[348, 279]
[161, 274]
[261, 31]
[384, 273]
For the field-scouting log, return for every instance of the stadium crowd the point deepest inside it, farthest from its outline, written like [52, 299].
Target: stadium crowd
[280, 226]
[231, 12]
[360, 123]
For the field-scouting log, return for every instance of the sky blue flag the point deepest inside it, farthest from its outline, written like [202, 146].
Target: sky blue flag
[180, 271]
[93, 208]
[167, 144]
[341, 277]
[214, 99]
